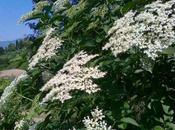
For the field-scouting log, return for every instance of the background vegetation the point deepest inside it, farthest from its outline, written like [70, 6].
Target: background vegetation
[15, 55]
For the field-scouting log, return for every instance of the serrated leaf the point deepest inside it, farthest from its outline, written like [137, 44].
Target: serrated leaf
[158, 128]
[130, 121]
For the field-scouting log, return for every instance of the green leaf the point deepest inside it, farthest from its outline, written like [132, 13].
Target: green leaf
[70, 29]
[122, 126]
[158, 128]
[89, 43]
[167, 110]
[171, 125]
[169, 51]
[106, 28]
[147, 64]
[138, 71]
[130, 121]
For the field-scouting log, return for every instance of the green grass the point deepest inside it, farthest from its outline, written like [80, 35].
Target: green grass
[3, 84]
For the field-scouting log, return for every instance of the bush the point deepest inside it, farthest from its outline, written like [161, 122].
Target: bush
[75, 82]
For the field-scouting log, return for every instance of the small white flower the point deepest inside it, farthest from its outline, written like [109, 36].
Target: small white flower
[96, 122]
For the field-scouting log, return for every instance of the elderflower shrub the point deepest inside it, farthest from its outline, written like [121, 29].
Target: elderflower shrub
[151, 30]
[38, 10]
[8, 91]
[96, 122]
[47, 50]
[73, 76]
[128, 92]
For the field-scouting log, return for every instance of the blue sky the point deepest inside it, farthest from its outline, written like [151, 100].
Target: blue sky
[10, 12]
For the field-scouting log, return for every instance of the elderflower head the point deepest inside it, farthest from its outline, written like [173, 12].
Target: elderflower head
[96, 122]
[47, 49]
[73, 76]
[10, 89]
[151, 30]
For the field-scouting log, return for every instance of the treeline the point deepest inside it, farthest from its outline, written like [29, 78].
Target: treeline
[15, 54]
[18, 45]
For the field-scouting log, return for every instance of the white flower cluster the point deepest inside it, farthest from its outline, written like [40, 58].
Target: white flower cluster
[19, 125]
[10, 89]
[38, 10]
[96, 122]
[59, 5]
[152, 30]
[73, 76]
[47, 49]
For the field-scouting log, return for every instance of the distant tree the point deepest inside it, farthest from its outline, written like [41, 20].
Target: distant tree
[2, 50]
[11, 47]
[19, 44]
